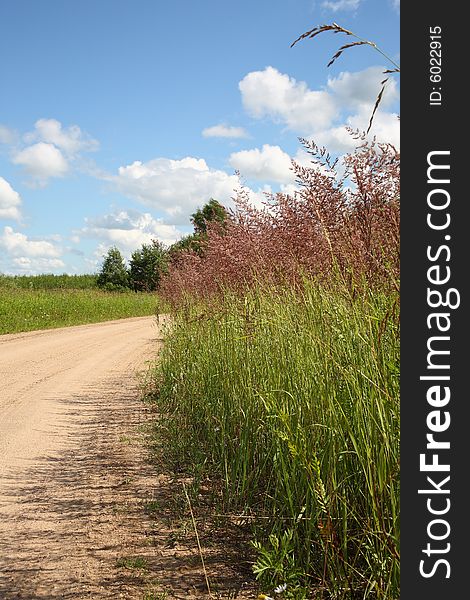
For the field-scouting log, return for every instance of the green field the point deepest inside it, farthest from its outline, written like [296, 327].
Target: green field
[48, 282]
[27, 309]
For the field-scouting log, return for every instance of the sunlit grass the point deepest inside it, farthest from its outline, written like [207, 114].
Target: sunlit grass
[289, 402]
[31, 309]
[48, 281]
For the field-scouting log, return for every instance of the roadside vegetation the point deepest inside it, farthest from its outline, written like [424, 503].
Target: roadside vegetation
[278, 383]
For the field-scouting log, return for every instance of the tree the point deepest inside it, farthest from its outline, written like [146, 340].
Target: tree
[188, 243]
[147, 266]
[210, 212]
[113, 274]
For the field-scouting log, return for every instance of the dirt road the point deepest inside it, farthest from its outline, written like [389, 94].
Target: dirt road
[69, 410]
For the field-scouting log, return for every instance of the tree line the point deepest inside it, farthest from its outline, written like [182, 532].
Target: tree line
[150, 263]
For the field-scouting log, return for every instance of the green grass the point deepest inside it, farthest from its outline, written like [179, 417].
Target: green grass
[48, 281]
[30, 309]
[133, 562]
[152, 594]
[289, 402]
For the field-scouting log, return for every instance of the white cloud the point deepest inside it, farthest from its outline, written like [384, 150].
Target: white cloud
[18, 245]
[353, 90]
[7, 135]
[37, 265]
[129, 229]
[99, 253]
[70, 140]
[385, 126]
[52, 150]
[336, 139]
[340, 5]
[42, 161]
[348, 100]
[10, 201]
[270, 93]
[268, 164]
[260, 198]
[176, 187]
[396, 5]
[224, 131]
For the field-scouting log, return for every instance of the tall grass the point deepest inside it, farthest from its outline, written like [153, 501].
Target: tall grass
[343, 221]
[30, 309]
[289, 401]
[279, 377]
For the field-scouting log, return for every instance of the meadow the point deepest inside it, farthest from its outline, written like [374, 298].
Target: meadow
[28, 303]
[278, 383]
[48, 282]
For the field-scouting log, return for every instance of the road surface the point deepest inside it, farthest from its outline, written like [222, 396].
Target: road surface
[69, 409]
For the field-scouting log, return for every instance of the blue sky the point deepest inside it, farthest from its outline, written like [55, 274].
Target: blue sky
[118, 118]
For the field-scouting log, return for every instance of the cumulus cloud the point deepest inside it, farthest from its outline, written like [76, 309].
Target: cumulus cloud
[270, 93]
[268, 164]
[51, 150]
[271, 165]
[7, 135]
[323, 115]
[261, 197]
[224, 131]
[42, 161]
[10, 201]
[336, 139]
[37, 265]
[175, 187]
[341, 5]
[129, 229]
[385, 127]
[70, 140]
[354, 90]
[19, 245]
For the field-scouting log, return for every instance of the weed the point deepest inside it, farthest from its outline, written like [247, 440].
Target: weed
[133, 562]
[275, 565]
[155, 595]
[153, 506]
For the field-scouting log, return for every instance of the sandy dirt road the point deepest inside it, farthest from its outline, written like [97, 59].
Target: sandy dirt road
[69, 407]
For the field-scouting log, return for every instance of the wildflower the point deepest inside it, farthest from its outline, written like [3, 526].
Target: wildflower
[280, 588]
[264, 597]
